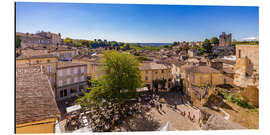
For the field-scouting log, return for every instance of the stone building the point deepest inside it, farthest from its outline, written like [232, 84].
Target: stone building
[151, 71]
[54, 38]
[64, 54]
[247, 66]
[41, 38]
[200, 82]
[93, 64]
[247, 72]
[48, 63]
[193, 52]
[36, 108]
[33, 51]
[71, 78]
[225, 39]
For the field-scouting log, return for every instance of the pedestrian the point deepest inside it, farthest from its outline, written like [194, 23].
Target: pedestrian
[160, 105]
[157, 107]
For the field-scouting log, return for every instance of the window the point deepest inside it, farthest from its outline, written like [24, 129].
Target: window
[68, 81]
[146, 77]
[73, 90]
[82, 78]
[59, 72]
[75, 79]
[156, 72]
[146, 72]
[162, 71]
[49, 68]
[60, 82]
[63, 93]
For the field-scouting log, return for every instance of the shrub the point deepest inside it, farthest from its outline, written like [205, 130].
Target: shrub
[236, 99]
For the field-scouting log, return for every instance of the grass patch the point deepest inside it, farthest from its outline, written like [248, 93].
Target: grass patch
[236, 99]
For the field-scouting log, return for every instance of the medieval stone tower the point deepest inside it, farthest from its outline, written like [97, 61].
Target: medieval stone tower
[225, 39]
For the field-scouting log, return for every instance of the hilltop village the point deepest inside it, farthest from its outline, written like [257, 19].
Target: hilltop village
[207, 85]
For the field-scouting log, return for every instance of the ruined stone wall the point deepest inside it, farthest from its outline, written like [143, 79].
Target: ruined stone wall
[251, 94]
[225, 39]
[247, 66]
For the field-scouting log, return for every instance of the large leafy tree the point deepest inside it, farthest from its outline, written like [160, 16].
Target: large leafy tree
[207, 46]
[120, 76]
[214, 40]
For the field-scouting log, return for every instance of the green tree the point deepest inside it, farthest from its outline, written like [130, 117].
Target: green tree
[69, 41]
[207, 46]
[126, 46]
[214, 40]
[79, 44]
[120, 76]
[18, 42]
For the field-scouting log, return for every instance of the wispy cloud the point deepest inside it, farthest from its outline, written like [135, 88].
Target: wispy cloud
[251, 38]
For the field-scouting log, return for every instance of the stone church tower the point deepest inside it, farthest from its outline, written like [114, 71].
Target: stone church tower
[225, 39]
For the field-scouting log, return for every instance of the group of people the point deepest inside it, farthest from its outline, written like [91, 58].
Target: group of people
[107, 117]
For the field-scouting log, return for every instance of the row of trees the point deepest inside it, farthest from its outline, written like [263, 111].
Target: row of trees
[92, 43]
[207, 45]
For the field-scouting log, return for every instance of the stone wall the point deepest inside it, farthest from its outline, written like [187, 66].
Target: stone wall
[71, 77]
[225, 39]
[247, 66]
[251, 94]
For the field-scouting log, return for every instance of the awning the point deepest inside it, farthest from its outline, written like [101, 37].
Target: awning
[73, 108]
[142, 89]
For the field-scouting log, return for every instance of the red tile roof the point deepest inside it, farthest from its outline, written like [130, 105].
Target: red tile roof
[34, 96]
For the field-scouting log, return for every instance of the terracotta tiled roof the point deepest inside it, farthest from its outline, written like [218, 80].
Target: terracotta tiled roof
[37, 56]
[69, 64]
[34, 96]
[29, 35]
[153, 65]
[224, 61]
[201, 69]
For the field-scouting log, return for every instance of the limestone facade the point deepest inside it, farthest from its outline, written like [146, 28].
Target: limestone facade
[71, 78]
[247, 66]
[41, 38]
[151, 71]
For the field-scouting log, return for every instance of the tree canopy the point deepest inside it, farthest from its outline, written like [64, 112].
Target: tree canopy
[120, 76]
[207, 46]
[214, 40]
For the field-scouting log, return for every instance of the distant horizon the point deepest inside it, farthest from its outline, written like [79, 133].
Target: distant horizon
[138, 23]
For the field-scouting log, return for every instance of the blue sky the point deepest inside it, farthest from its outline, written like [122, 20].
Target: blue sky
[137, 23]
